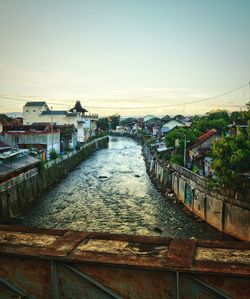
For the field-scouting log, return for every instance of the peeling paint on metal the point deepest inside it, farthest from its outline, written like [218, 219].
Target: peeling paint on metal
[223, 255]
[18, 238]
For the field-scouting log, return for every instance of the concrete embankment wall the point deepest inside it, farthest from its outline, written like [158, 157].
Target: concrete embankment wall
[18, 193]
[228, 214]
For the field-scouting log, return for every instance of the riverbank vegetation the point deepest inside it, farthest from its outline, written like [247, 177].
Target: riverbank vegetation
[229, 152]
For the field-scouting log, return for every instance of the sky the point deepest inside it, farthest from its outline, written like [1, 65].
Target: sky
[137, 57]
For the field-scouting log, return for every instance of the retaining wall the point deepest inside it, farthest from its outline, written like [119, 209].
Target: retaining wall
[226, 213]
[17, 194]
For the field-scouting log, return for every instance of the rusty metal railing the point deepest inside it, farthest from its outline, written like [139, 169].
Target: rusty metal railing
[45, 263]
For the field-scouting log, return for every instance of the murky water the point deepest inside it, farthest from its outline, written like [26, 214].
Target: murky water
[111, 192]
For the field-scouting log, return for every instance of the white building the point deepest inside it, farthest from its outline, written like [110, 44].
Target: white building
[39, 112]
[170, 125]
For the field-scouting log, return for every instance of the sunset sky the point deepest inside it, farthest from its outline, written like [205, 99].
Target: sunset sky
[127, 55]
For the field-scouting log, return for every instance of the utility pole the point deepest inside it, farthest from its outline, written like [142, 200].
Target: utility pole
[185, 149]
[52, 128]
[249, 92]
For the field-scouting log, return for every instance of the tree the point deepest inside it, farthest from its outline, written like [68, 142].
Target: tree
[166, 118]
[179, 117]
[235, 115]
[180, 133]
[218, 114]
[128, 121]
[114, 121]
[231, 157]
[246, 113]
[203, 125]
[103, 124]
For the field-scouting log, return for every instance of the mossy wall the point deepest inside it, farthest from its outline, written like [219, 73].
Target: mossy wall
[19, 193]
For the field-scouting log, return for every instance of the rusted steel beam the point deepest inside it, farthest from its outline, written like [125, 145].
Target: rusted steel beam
[181, 253]
[127, 251]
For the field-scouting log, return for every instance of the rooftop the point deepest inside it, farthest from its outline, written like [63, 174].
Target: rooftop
[204, 137]
[4, 145]
[16, 165]
[35, 104]
[78, 107]
[54, 112]
[5, 118]
[149, 117]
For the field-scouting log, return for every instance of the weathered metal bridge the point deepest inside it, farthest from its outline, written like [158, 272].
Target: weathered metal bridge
[49, 263]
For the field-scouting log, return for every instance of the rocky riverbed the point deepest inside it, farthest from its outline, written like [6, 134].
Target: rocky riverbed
[111, 192]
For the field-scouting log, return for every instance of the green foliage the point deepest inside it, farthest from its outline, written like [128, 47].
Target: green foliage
[128, 121]
[103, 124]
[235, 115]
[114, 121]
[218, 114]
[201, 126]
[177, 159]
[41, 165]
[53, 154]
[180, 133]
[166, 118]
[231, 157]
[196, 169]
[179, 117]
[246, 114]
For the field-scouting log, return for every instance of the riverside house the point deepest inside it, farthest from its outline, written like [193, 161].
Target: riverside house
[199, 152]
[39, 112]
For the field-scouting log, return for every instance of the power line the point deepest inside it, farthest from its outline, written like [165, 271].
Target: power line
[174, 105]
[146, 107]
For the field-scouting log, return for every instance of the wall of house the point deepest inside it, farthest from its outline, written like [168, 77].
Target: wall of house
[58, 119]
[229, 213]
[33, 139]
[17, 194]
[31, 113]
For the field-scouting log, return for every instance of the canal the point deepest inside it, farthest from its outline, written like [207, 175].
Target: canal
[111, 192]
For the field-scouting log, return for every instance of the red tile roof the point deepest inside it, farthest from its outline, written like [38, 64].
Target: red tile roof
[204, 137]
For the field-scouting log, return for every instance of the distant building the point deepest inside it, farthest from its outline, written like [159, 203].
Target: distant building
[170, 125]
[147, 118]
[32, 112]
[4, 147]
[37, 136]
[140, 123]
[152, 124]
[15, 161]
[39, 112]
[238, 126]
[199, 153]
[4, 120]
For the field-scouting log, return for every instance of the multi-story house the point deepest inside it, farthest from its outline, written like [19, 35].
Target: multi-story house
[39, 112]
